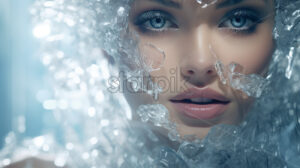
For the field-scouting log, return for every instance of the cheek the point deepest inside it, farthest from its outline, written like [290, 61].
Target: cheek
[253, 52]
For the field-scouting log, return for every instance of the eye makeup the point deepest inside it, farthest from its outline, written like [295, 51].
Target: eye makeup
[237, 21]
[155, 21]
[241, 20]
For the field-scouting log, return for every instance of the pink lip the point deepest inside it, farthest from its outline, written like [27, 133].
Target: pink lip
[201, 111]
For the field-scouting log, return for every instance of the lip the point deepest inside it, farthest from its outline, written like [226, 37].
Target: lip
[200, 111]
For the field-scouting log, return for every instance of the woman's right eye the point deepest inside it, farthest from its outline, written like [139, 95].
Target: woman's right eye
[155, 21]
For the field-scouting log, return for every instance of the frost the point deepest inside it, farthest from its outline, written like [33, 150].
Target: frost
[156, 113]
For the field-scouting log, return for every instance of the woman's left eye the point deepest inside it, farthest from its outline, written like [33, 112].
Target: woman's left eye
[240, 21]
[155, 21]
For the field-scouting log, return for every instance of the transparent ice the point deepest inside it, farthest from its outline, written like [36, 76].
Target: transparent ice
[156, 113]
[153, 57]
[204, 4]
[83, 44]
[250, 84]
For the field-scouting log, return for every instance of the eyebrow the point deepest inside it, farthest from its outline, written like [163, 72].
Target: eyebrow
[169, 3]
[231, 3]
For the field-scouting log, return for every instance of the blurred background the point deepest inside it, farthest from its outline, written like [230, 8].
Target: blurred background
[22, 84]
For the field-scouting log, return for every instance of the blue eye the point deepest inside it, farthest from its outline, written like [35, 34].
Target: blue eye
[239, 23]
[240, 20]
[155, 20]
[158, 22]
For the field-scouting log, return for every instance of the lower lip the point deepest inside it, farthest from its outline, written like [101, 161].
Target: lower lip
[199, 111]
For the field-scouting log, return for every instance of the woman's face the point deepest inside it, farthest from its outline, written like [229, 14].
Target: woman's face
[193, 38]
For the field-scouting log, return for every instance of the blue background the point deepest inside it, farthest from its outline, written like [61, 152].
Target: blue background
[21, 72]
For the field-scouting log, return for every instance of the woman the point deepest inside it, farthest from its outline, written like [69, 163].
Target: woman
[181, 48]
[190, 36]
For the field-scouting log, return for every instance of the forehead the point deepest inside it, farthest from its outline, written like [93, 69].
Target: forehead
[178, 2]
[197, 4]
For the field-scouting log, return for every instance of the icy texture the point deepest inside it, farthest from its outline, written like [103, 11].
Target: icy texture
[205, 5]
[82, 45]
[156, 113]
[221, 70]
[153, 57]
[252, 84]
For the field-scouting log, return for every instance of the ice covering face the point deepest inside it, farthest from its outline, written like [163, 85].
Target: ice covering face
[83, 44]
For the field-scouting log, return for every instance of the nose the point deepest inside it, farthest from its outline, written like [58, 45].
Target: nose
[197, 63]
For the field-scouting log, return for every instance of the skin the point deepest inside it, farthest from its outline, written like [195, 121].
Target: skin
[190, 46]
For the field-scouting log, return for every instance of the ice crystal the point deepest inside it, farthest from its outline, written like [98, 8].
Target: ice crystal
[84, 43]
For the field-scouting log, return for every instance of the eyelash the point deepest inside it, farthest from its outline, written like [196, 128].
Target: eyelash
[250, 18]
[145, 21]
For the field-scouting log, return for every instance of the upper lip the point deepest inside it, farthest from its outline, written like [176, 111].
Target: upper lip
[200, 93]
